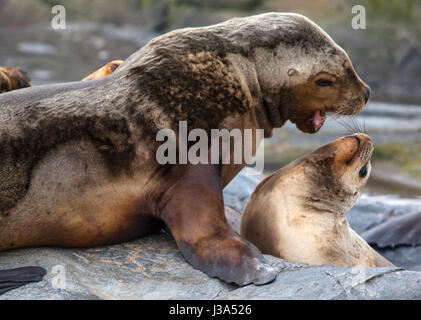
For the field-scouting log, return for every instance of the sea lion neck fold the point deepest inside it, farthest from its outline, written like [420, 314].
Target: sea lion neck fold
[325, 192]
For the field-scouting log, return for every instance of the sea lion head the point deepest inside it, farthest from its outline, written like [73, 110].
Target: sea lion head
[312, 74]
[298, 212]
[337, 172]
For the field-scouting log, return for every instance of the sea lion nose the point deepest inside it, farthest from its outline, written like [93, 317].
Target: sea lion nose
[367, 93]
[361, 136]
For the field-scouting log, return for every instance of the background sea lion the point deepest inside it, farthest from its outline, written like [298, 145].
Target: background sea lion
[298, 212]
[78, 160]
[104, 71]
[13, 78]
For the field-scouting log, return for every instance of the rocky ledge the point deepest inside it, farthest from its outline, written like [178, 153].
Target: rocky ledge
[153, 268]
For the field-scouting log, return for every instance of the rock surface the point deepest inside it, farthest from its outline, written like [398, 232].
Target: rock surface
[153, 268]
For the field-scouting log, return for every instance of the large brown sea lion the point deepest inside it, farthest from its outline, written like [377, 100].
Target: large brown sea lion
[78, 161]
[298, 212]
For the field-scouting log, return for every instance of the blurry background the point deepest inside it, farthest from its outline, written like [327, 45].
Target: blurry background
[387, 56]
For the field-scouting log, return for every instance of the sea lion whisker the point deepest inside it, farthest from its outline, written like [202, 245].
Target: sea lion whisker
[337, 115]
[352, 124]
[348, 128]
[356, 124]
[359, 126]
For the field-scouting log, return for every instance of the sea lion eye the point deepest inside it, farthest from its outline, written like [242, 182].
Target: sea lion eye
[324, 83]
[363, 172]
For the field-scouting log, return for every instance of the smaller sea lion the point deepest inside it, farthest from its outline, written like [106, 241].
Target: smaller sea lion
[404, 230]
[104, 71]
[298, 212]
[13, 78]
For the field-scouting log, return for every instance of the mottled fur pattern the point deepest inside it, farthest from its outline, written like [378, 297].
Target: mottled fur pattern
[200, 88]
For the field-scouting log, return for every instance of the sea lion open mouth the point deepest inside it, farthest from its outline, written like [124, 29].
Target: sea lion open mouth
[317, 120]
[310, 121]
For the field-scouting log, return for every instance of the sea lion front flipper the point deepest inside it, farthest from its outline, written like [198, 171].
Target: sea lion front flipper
[15, 278]
[404, 230]
[194, 213]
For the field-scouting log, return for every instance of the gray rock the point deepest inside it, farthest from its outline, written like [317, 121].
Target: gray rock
[407, 257]
[148, 268]
[237, 192]
[328, 283]
[371, 211]
[233, 219]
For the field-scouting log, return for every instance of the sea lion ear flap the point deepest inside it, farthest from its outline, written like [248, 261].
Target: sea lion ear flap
[292, 72]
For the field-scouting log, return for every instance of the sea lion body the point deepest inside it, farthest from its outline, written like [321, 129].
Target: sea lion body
[78, 161]
[298, 212]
